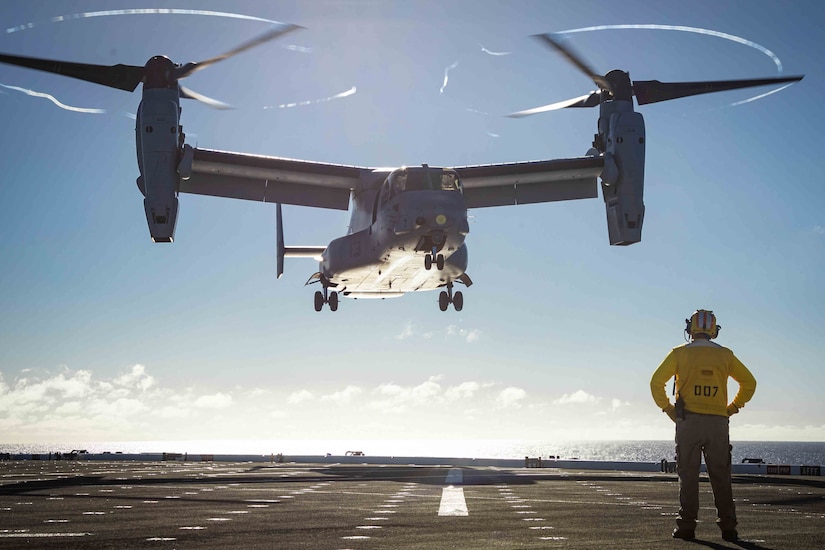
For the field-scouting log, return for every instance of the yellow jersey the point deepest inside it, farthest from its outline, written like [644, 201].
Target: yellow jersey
[702, 368]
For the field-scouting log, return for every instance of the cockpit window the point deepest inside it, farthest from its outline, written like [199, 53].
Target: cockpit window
[450, 182]
[399, 181]
[425, 180]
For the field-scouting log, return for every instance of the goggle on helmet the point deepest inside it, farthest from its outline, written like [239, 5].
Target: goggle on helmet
[702, 321]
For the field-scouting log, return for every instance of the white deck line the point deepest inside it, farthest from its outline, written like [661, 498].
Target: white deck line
[452, 498]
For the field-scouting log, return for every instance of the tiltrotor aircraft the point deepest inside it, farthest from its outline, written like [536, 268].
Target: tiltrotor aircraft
[408, 225]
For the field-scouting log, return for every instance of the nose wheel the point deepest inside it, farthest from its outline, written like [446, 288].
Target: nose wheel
[439, 261]
[326, 297]
[447, 297]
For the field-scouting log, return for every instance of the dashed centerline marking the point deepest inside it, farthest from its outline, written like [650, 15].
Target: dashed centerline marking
[452, 498]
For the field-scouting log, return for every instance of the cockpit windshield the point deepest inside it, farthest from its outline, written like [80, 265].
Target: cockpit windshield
[425, 179]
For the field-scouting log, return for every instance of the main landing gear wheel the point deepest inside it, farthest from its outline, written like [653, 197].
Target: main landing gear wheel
[439, 262]
[322, 298]
[458, 301]
[446, 297]
[443, 301]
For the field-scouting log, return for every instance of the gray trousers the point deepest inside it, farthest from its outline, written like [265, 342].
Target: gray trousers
[707, 434]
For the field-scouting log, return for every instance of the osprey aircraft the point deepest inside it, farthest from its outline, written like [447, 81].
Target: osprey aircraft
[408, 226]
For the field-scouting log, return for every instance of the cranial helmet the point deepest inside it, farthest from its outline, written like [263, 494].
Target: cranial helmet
[702, 321]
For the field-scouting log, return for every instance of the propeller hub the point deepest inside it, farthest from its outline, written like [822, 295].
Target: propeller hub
[160, 73]
[620, 82]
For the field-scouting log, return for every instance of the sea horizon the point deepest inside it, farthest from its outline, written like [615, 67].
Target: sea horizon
[772, 452]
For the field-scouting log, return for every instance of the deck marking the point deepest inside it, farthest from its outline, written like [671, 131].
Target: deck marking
[452, 498]
[452, 502]
[41, 535]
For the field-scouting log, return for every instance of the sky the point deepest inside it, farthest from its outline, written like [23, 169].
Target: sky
[105, 336]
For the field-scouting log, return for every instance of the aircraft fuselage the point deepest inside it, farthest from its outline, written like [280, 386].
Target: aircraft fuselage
[414, 242]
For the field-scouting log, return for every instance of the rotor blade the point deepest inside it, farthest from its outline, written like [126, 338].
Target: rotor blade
[587, 100]
[653, 91]
[122, 77]
[576, 60]
[189, 68]
[214, 103]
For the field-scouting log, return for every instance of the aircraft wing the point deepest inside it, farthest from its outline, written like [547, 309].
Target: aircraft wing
[271, 179]
[323, 185]
[531, 182]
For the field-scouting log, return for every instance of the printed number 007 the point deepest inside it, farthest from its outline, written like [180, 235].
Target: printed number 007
[707, 391]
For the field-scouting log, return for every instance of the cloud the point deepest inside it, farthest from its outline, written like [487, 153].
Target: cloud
[77, 405]
[577, 397]
[465, 390]
[616, 404]
[406, 332]
[65, 405]
[819, 230]
[344, 396]
[137, 378]
[299, 397]
[410, 330]
[511, 397]
[469, 335]
[395, 398]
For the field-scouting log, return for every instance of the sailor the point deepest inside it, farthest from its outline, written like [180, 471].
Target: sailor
[701, 369]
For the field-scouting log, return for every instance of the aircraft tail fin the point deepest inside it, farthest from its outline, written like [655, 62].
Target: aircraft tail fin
[280, 240]
[314, 252]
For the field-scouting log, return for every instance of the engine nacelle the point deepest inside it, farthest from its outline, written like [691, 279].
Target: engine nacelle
[158, 145]
[622, 132]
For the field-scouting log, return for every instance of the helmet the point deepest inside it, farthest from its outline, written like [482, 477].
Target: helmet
[702, 321]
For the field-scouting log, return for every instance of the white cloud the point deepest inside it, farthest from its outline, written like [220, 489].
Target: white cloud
[299, 397]
[410, 330]
[393, 396]
[470, 336]
[344, 396]
[137, 378]
[406, 332]
[819, 230]
[76, 405]
[465, 390]
[511, 397]
[616, 404]
[215, 401]
[577, 397]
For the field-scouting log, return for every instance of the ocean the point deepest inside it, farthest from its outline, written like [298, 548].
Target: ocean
[772, 452]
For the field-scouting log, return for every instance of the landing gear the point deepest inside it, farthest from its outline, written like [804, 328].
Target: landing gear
[446, 297]
[439, 261]
[326, 297]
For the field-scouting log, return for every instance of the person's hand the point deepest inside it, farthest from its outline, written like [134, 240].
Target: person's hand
[670, 410]
[732, 409]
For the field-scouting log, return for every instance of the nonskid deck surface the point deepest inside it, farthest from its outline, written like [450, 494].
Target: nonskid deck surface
[128, 504]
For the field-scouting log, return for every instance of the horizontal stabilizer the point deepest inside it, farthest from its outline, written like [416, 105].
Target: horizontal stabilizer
[304, 252]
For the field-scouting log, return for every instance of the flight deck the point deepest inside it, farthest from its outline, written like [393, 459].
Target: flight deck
[361, 505]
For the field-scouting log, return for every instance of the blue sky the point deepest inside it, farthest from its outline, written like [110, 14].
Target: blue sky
[105, 336]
